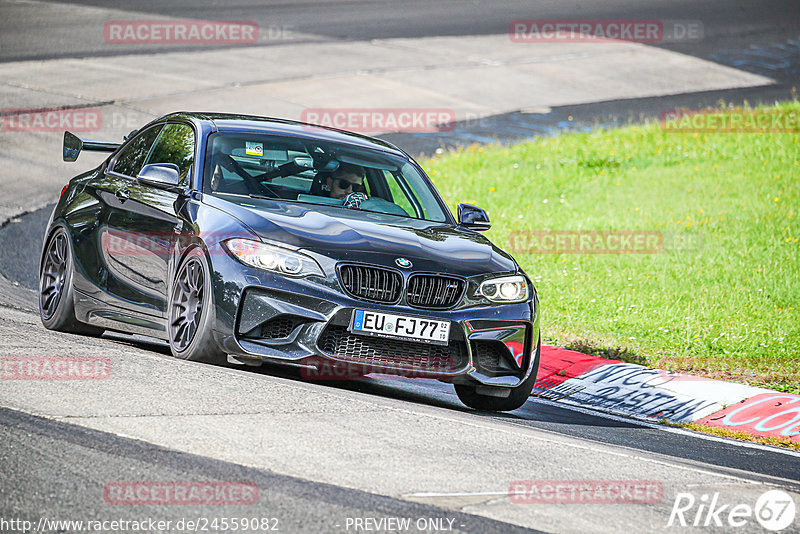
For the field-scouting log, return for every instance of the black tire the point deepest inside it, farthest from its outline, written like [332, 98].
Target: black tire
[487, 403]
[191, 312]
[56, 296]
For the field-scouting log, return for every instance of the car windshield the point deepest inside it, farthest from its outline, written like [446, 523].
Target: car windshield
[243, 165]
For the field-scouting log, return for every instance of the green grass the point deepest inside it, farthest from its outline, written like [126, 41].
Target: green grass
[723, 297]
[786, 443]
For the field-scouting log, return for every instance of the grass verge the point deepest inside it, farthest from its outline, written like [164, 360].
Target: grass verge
[785, 443]
[721, 295]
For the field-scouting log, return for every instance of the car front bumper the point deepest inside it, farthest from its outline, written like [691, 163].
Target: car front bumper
[268, 318]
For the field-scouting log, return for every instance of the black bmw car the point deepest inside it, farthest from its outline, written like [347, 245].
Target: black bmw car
[242, 239]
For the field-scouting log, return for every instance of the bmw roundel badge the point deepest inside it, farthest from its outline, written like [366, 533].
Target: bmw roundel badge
[404, 263]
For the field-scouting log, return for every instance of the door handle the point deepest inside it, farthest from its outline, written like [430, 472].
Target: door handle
[123, 194]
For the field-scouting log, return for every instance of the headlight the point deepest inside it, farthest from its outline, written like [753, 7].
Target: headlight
[506, 289]
[271, 258]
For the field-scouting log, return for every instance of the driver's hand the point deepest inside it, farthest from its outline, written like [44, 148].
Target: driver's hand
[354, 200]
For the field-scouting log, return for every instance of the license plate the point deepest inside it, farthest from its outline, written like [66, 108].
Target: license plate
[400, 327]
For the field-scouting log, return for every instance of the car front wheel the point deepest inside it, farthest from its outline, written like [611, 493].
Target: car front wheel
[191, 312]
[490, 403]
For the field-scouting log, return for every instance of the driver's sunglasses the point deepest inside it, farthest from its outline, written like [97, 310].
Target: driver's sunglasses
[341, 183]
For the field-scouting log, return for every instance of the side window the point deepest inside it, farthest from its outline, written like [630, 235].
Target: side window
[131, 159]
[399, 196]
[175, 145]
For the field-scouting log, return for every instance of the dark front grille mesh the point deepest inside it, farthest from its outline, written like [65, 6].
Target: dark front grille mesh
[488, 355]
[340, 343]
[279, 327]
[434, 291]
[371, 283]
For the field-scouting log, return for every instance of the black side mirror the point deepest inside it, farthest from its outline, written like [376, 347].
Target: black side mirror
[473, 217]
[161, 175]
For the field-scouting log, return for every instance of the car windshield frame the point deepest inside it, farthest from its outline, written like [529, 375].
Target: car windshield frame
[420, 195]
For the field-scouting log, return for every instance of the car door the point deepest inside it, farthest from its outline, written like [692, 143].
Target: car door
[108, 190]
[144, 224]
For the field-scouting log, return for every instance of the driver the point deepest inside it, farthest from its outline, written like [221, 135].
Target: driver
[348, 178]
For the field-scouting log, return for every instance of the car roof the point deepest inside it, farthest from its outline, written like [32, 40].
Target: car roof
[254, 123]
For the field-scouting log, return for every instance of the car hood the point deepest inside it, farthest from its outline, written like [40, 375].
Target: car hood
[358, 236]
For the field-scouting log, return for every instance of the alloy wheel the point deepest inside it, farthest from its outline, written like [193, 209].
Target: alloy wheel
[54, 273]
[186, 306]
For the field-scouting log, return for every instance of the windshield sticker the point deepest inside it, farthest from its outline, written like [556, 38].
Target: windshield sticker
[254, 149]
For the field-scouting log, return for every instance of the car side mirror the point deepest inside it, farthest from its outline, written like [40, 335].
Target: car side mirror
[473, 217]
[161, 175]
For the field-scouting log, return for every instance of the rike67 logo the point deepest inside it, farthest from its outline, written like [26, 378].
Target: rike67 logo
[774, 510]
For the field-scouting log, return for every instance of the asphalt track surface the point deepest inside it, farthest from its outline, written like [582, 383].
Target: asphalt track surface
[58, 469]
[35, 449]
[31, 33]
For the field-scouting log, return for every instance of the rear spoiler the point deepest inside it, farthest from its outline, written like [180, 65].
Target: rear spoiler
[74, 144]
